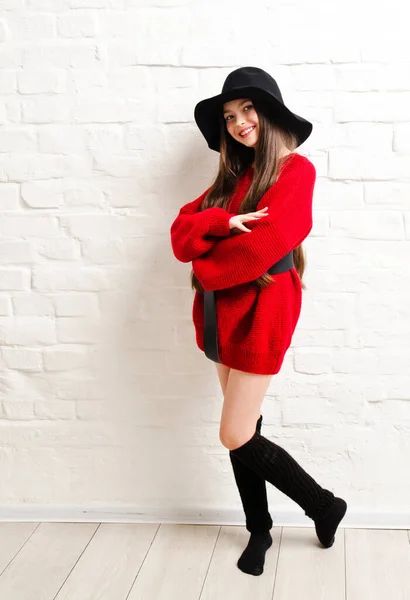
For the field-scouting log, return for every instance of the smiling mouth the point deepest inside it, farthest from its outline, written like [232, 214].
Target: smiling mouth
[248, 132]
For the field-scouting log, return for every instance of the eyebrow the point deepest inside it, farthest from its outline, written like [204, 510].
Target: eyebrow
[243, 102]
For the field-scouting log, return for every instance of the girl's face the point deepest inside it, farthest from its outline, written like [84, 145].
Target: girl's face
[242, 121]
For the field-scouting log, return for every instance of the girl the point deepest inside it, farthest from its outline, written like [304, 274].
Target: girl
[244, 319]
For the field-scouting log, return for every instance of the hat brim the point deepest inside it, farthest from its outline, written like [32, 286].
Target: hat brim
[208, 111]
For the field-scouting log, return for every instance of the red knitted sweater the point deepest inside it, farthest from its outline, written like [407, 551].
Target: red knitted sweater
[255, 325]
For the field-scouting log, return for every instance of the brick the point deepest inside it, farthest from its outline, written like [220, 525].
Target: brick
[56, 137]
[9, 196]
[52, 81]
[65, 358]
[82, 25]
[83, 227]
[5, 306]
[32, 304]
[31, 26]
[58, 249]
[16, 252]
[76, 305]
[55, 410]
[28, 226]
[22, 359]
[18, 140]
[19, 410]
[85, 279]
[45, 109]
[314, 363]
[27, 331]
[87, 330]
[385, 224]
[14, 279]
[112, 251]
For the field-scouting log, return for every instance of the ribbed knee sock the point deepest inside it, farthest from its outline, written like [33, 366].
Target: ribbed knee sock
[278, 467]
[252, 490]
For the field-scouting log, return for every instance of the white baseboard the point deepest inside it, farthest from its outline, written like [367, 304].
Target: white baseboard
[355, 518]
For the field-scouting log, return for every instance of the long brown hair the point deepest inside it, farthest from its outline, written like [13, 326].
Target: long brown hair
[234, 159]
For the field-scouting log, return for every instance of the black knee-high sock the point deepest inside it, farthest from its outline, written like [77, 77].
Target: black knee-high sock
[252, 490]
[278, 467]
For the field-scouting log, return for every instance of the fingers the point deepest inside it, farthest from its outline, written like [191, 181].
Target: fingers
[253, 216]
[261, 212]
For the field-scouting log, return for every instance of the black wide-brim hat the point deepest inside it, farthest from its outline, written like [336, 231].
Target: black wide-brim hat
[258, 85]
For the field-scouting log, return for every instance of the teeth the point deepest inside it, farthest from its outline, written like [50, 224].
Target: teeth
[246, 131]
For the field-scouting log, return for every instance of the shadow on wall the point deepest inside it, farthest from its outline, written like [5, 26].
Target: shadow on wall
[156, 381]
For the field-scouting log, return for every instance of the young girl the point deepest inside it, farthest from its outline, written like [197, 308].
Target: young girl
[248, 225]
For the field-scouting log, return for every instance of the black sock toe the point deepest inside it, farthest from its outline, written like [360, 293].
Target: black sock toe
[326, 525]
[252, 559]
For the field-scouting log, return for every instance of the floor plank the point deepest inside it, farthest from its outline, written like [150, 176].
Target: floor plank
[110, 563]
[377, 564]
[40, 568]
[177, 563]
[13, 536]
[121, 561]
[306, 569]
[225, 580]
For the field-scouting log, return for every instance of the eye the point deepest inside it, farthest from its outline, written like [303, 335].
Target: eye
[247, 106]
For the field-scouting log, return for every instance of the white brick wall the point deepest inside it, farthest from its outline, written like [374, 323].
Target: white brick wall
[102, 387]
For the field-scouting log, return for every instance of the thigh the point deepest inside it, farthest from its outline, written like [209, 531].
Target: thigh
[223, 374]
[243, 399]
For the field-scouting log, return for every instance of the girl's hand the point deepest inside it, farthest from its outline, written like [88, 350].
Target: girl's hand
[238, 220]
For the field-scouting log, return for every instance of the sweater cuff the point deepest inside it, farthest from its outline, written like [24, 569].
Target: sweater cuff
[219, 221]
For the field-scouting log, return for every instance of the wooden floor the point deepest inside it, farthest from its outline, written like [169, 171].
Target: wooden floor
[91, 561]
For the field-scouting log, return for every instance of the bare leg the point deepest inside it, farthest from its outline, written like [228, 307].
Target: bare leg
[252, 490]
[243, 398]
[251, 486]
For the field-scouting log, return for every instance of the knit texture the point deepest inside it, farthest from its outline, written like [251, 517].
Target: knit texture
[255, 325]
[190, 230]
[276, 465]
[252, 491]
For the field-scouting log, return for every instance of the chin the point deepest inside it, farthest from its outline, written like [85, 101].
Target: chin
[250, 144]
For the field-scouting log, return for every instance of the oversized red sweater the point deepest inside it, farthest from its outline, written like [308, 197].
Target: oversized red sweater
[255, 325]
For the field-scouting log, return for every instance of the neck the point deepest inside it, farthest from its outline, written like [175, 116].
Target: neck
[282, 155]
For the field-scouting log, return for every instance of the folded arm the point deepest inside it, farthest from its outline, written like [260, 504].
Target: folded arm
[193, 233]
[245, 257]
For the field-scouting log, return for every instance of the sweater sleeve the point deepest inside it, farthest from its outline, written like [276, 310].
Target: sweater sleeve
[245, 257]
[193, 233]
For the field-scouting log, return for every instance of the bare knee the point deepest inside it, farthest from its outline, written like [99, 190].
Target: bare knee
[241, 409]
[234, 439]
